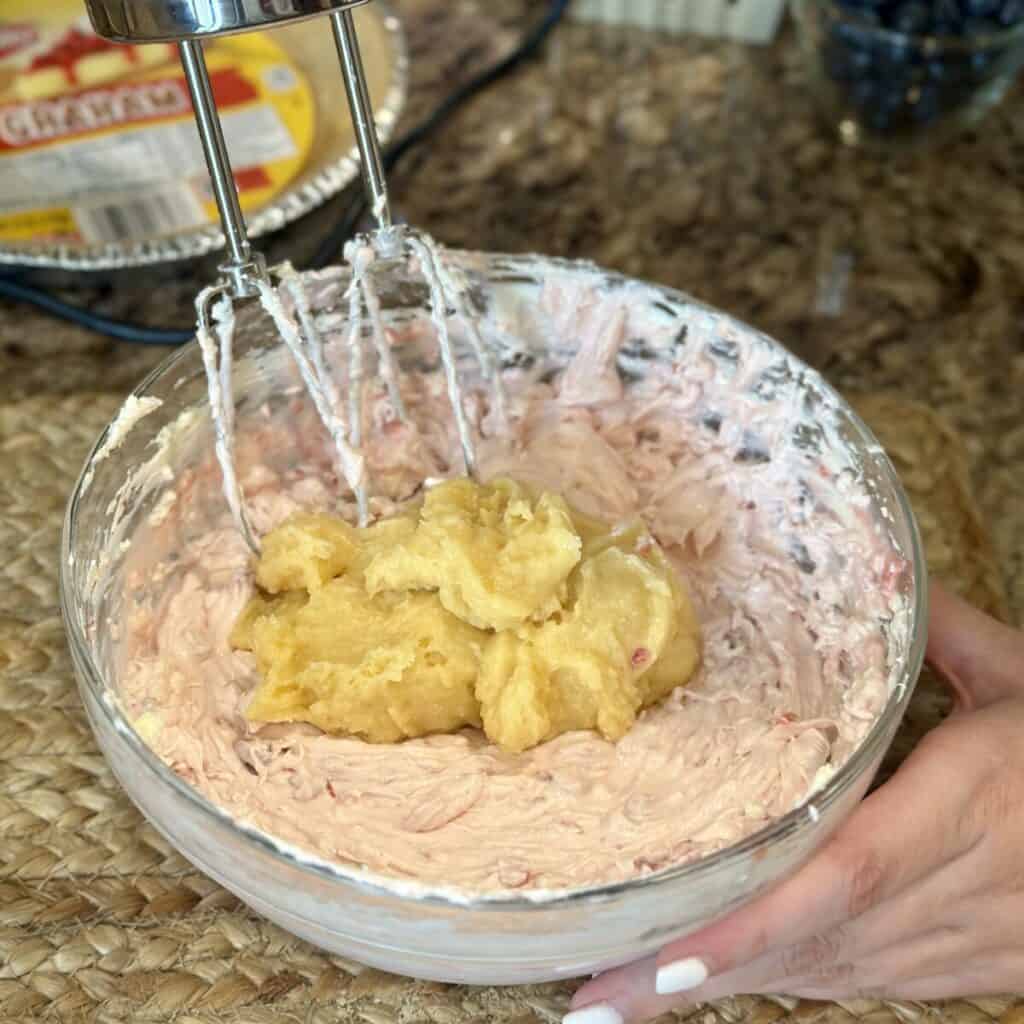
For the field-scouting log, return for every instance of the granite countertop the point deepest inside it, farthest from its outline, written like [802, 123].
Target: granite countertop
[700, 165]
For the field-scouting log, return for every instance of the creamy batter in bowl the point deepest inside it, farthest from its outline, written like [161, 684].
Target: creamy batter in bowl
[786, 518]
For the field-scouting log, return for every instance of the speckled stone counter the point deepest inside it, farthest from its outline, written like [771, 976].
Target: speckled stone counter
[700, 165]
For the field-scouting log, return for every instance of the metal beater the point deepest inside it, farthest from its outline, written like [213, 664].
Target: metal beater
[187, 23]
[245, 275]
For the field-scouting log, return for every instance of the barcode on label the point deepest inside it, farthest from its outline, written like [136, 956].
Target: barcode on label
[140, 217]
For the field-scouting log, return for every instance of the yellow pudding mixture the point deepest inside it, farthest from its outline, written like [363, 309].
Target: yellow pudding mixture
[491, 606]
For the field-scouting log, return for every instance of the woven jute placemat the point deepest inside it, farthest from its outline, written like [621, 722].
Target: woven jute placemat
[100, 920]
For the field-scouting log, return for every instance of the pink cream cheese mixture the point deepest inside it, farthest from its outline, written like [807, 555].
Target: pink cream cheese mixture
[793, 577]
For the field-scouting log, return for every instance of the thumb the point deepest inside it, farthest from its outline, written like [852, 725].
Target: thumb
[981, 659]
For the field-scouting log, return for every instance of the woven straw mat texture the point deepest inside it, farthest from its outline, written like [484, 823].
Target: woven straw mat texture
[101, 921]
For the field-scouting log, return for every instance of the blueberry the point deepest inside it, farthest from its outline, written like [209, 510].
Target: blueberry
[876, 94]
[893, 55]
[910, 18]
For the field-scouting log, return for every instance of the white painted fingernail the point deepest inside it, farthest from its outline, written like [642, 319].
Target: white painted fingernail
[594, 1015]
[680, 976]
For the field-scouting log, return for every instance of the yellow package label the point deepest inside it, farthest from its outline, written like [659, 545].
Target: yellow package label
[97, 140]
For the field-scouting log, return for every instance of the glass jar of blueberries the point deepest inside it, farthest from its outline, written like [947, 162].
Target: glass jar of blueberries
[893, 72]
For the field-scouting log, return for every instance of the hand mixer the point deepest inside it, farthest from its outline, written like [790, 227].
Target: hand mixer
[245, 275]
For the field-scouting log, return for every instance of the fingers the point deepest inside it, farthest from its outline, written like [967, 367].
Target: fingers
[933, 953]
[623, 995]
[919, 969]
[1000, 973]
[910, 937]
[848, 962]
[826, 929]
[980, 658]
[946, 986]
[629, 995]
[864, 864]
[809, 922]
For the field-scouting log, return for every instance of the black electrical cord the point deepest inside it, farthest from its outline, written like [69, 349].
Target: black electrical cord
[120, 330]
[343, 229]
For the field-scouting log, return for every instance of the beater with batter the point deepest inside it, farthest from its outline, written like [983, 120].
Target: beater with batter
[245, 275]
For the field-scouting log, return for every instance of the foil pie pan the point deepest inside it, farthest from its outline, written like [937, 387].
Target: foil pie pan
[332, 165]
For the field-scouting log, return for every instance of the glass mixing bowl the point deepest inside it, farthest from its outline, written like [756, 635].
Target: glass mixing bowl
[435, 933]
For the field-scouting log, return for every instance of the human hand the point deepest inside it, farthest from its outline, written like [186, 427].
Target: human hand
[919, 894]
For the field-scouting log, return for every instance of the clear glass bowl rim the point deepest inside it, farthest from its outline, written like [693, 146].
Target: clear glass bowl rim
[805, 814]
[938, 45]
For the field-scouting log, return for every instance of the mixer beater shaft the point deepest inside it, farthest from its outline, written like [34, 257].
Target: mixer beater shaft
[361, 107]
[243, 268]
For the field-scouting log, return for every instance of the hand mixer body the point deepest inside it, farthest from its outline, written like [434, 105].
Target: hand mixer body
[170, 21]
